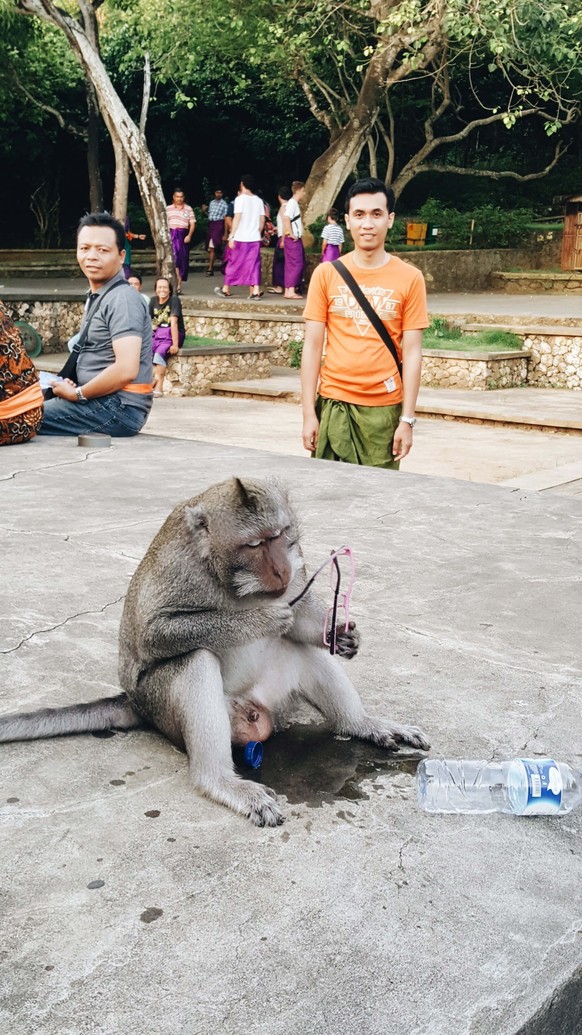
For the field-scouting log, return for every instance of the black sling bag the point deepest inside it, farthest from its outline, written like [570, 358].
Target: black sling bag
[70, 368]
[371, 313]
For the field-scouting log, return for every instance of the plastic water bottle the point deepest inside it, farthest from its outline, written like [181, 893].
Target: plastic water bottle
[522, 786]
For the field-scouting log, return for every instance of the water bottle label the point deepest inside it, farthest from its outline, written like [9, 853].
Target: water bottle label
[544, 786]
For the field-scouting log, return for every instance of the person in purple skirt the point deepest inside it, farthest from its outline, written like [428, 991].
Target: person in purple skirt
[168, 330]
[278, 276]
[181, 221]
[332, 237]
[244, 242]
[293, 244]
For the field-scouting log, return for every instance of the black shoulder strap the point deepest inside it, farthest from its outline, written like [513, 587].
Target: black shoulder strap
[83, 335]
[371, 313]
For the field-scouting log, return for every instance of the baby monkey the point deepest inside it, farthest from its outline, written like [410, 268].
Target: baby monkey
[249, 721]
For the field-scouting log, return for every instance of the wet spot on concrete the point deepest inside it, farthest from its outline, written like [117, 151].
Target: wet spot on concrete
[172, 839]
[285, 835]
[152, 814]
[117, 783]
[49, 966]
[96, 884]
[12, 801]
[103, 734]
[309, 765]
[130, 772]
[151, 914]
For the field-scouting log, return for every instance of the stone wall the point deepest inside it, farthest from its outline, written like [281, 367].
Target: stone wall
[276, 331]
[555, 360]
[476, 371]
[458, 270]
[55, 321]
[192, 371]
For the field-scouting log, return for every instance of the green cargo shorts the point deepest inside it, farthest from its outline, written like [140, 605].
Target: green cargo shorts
[357, 434]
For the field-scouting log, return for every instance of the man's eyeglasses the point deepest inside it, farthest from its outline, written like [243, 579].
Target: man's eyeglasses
[338, 614]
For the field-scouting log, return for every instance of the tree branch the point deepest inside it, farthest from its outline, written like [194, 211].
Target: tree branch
[69, 127]
[493, 174]
[316, 111]
[145, 99]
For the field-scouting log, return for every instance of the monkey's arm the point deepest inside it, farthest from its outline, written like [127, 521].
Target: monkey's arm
[167, 635]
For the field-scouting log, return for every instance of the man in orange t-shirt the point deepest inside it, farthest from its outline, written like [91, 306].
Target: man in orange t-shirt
[356, 407]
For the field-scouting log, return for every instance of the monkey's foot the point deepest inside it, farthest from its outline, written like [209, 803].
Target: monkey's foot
[391, 735]
[253, 800]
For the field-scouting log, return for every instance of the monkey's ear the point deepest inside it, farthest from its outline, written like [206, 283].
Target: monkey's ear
[246, 500]
[196, 518]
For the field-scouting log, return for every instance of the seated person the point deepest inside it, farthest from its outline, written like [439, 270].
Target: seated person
[111, 391]
[21, 401]
[168, 329]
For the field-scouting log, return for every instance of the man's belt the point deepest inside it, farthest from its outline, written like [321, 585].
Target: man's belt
[139, 389]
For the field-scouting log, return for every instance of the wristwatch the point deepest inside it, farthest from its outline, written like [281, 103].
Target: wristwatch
[80, 396]
[407, 420]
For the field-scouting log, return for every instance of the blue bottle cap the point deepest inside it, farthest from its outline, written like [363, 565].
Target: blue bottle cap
[253, 754]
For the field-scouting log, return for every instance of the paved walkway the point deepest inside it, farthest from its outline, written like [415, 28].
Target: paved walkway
[529, 307]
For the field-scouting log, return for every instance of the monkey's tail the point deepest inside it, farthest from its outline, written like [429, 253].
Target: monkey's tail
[104, 714]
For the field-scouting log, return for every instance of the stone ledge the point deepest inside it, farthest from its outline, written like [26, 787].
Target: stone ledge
[476, 356]
[554, 330]
[223, 350]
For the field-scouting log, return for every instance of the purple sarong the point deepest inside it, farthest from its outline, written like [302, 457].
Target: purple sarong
[162, 343]
[181, 251]
[294, 262]
[279, 264]
[244, 264]
[330, 253]
[214, 236]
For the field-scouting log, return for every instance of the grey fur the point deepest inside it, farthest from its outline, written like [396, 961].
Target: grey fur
[207, 620]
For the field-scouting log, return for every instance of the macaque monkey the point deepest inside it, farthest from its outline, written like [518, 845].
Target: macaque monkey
[211, 651]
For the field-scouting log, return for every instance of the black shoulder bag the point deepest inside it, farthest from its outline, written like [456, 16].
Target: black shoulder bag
[70, 368]
[371, 313]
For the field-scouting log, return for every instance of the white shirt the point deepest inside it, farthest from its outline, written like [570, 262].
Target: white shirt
[293, 212]
[251, 208]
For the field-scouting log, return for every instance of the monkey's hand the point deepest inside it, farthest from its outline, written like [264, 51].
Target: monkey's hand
[347, 640]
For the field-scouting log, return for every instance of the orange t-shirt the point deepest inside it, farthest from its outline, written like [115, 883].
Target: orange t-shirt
[358, 367]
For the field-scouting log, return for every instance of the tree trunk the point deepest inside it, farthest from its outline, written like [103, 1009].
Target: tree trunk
[330, 171]
[94, 172]
[116, 117]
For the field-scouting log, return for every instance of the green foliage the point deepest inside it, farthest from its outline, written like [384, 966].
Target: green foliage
[486, 226]
[295, 352]
[449, 337]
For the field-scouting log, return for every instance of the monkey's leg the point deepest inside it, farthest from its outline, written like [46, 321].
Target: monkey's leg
[326, 686]
[196, 714]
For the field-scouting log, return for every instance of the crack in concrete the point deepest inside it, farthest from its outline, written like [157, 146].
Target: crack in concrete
[59, 625]
[49, 467]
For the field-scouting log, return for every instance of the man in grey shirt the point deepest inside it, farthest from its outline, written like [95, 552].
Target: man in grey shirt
[113, 390]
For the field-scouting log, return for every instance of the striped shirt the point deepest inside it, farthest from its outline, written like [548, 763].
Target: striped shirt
[217, 209]
[333, 234]
[180, 218]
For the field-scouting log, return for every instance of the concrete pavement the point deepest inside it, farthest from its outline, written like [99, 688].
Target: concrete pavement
[132, 905]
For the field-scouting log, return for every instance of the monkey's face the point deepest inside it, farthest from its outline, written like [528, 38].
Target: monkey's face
[263, 564]
[249, 721]
[248, 535]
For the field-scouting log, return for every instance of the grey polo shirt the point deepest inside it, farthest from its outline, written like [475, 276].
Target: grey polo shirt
[121, 313]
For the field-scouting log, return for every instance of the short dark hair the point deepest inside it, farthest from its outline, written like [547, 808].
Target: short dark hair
[178, 190]
[333, 214]
[285, 193]
[104, 219]
[136, 276]
[248, 181]
[370, 185]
